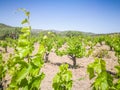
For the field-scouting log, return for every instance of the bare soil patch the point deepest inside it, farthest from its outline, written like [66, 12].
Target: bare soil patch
[80, 76]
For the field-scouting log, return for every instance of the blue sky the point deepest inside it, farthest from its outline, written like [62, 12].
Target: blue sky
[97, 16]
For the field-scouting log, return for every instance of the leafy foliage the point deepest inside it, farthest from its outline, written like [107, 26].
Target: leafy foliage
[75, 49]
[4, 45]
[3, 69]
[48, 42]
[25, 70]
[103, 80]
[63, 79]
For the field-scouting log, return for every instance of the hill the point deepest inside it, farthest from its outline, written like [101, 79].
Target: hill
[8, 31]
[5, 26]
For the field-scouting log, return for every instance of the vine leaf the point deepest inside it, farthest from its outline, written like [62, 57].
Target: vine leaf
[24, 21]
[23, 73]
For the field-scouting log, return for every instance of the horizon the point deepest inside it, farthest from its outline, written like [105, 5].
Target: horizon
[94, 16]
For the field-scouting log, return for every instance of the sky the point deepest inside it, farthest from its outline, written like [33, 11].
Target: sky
[96, 16]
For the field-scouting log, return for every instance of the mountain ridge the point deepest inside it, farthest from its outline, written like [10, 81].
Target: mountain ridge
[3, 26]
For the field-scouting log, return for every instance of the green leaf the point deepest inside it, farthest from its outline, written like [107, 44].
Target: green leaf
[41, 50]
[38, 61]
[23, 73]
[23, 52]
[25, 21]
[25, 29]
[118, 70]
[24, 83]
[35, 83]
[103, 79]
[117, 85]
[91, 72]
[27, 14]
[23, 42]
[0, 58]
[63, 79]
[99, 65]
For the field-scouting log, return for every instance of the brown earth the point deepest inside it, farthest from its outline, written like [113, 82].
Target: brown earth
[80, 76]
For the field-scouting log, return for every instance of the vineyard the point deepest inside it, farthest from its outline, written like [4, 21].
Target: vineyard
[50, 61]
